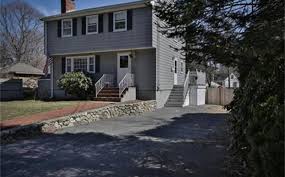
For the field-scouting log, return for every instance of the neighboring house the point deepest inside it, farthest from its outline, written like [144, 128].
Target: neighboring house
[27, 73]
[120, 45]
[224, 80]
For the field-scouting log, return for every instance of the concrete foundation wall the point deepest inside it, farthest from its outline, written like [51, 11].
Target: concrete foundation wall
[130, 95]
[162, 97]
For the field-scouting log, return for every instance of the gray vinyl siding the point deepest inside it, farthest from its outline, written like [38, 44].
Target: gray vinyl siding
[165, 59]
[165, 55]
[143, 66]
[139, 37]
[108, 63]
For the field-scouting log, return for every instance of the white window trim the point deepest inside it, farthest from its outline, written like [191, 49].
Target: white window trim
[96, 25]
[182, 66]
[114, 20]
[71, 63]
[124, 54]
[70, 35]
[87, 58]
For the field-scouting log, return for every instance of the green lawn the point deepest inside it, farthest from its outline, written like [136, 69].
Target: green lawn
[12, 109]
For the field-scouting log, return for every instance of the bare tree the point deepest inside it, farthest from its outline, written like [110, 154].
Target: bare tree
[21, 33]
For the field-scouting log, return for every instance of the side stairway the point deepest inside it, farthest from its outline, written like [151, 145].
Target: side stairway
[175, 98]
[109, 94]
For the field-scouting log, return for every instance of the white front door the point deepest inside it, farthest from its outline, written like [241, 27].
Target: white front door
[123, 65]
[175, 81]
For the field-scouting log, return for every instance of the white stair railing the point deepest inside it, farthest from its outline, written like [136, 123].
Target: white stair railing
[106, 79]
[127, 81]
[186, 84]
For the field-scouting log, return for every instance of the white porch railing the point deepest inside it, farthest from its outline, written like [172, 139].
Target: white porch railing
[102, 82]
[127, 81]
[186, 84]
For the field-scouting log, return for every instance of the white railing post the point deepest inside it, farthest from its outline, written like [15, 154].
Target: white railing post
[127, 81]
[102, 82]
[186, 84]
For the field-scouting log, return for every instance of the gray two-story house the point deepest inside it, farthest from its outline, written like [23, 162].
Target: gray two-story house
[121, 46]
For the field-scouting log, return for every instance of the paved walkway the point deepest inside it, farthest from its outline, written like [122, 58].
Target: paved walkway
[26, 120]
[170, 142]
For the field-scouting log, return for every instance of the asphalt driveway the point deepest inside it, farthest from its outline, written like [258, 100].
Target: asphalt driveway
[170, 142]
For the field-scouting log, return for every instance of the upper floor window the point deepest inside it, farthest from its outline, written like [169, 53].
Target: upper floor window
[92, 24]
[66, 28]
[120, 21]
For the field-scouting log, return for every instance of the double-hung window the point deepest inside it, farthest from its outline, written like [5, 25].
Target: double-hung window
[68, 64]
[91, 64]
[66, 28]
[92, 24]
[120, 21]
[82, 63]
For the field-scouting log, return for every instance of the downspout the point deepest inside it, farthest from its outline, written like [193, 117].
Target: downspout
[51, 79]
[157, 55]
[50, 60]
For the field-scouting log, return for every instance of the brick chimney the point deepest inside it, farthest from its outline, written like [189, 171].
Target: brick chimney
[67, 6]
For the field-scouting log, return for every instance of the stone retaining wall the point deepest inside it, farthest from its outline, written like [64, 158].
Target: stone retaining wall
[50, 126]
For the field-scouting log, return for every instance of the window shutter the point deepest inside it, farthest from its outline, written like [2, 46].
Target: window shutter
[74, 26]
[97, 63]
[59, 28]
[63, 65]
[130, 19]
[101, 23]
[83, 29]
[110, 22]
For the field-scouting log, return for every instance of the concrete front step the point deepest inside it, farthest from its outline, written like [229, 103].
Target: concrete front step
[176, 94]
[176, 97]
[175, 101]
[108, 95]
[111, 99]
[173, 105]
[178, 86]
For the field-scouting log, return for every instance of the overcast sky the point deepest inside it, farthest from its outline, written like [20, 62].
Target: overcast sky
[52, 7]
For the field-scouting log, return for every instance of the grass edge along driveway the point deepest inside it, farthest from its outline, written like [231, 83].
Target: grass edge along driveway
[13, 109]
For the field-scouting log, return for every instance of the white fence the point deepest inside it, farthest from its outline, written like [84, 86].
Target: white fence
[219, 96]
